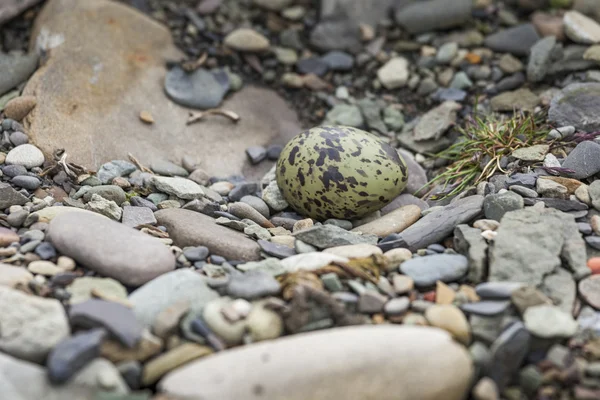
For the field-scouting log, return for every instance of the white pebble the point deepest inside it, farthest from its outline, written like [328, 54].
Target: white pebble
[26, 155]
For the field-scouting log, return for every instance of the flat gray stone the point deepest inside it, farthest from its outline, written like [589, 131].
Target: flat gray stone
[584, 160]
[174, 287]
[508, 352]
[10, 197]
[540, 58]
[427, 270]
[189, 228]
[199, 89]
[326, 236]
[469, 242]
[517, 40]
[432, 15]
[110, 248]
[136, 216]
[496, 205]
[31, 325]
[73, 353]
[436, 226]
[548, 321]
[16, 68]
[577, 105]
[109, 192]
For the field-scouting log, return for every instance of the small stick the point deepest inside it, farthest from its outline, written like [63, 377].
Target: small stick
[138, 164]
[196, 116]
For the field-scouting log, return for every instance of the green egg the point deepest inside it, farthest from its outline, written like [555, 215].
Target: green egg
[339, 172]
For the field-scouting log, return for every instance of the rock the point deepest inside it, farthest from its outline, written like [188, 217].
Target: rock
[200, 89]
[540, 59]
[554, 236]
[354, 250]
[431, 15]
[167, 168]
[252, 285]
[485, 389]
[576, 105]
[393, 222]
[116, 318]
[136, 216]
[520, 99]
[72, 354]
[11, 276]
[453, 366]
[273, 5]
[19, 107]
[437, 121]
[581, 29]
[16, 67]
[273, 197]
[584, 160]
[148, 346]
[172, 360]
[244, 39]
[345, 114]
[31, 326]
[469, 242]
[110, 248]
[309, 262]
[100, 205]
[451, 319]
[26, 155]
[370, 12]
[338, 61]
[213, 314]
[263, 323]
[81, 289]
[547, 321]
[508, 352]
[11, 8]
[338, 34]
[21, 380]
[517, 40]
[166, 291]
[325, 236]
[139, 83]
[10, 197]
[189, 228]
[180, 187]
[496, 205]
[437, 225]
[394, 74]
[532, 153]
[45, 268]
[426, 271]
[589, 290]
[549, 188]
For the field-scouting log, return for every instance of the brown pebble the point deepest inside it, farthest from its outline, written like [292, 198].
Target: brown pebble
[19, 107]
[7, 237]
[146, 117]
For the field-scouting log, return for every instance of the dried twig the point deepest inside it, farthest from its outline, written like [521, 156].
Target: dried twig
[196, 116]
[138, 164]
[191, 66]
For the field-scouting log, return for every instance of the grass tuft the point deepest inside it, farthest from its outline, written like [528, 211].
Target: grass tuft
[476, 155]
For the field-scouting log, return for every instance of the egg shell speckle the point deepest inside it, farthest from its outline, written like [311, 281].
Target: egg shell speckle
[339, 172]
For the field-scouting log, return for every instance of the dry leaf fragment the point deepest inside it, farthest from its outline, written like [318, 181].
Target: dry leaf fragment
[146, 117]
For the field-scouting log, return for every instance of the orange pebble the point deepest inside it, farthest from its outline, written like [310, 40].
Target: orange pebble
[473, 58]
[594, 264]
[429, 296]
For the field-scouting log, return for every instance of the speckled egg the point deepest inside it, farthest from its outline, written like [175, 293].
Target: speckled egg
[339, 172]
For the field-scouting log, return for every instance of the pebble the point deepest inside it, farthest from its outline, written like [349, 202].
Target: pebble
[581, 29]
[263, 323]
[507, 354]
[452, 379]
[589, 289]
[486, 308]
[200, 89]
[243, 210]
[397, 306]
[232, 332]
[546, 321]
[167, 168]
[540, 59]
[245, 39]
[114, 169]
[73, 353]
[584, 160]
[575, 105]
[497, 290]
[394, 74]
[338, 61]
[17, 68]
[180, 187]
[496, 205]
[137, 216]
[26, 155]
[19, 107]
[45, 268]
[451, 319]
[23, 317]
[110, 248]
[26, 182]
[361, 250]
[252, 285]
[84, 288]
[312, 65]
[431, 15]
[274, 198]
[326, 236]
[11, 276]
[426, 271]
[276, 249]
[310, 261]
[517, 40]
[171, 361]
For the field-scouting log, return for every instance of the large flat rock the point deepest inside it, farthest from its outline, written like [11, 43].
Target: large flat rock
[190, 228]
[355, 363]
[109, 67]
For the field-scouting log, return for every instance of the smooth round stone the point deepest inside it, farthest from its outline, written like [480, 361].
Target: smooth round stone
[14, 170]
[72, 354]
[485, 308]
[110, 248]
[312, 65]
[497, 290]
[7, 237]
[26, 155]
[310, 261]
[258, 204]
[18, 138]
[392, 222]
[81, 289]
[200, 89]
[245, 39]
[46, 268]
[338, 60]
[26, 182]
[11, 276]
[395, 257]
[263, 324]
[589, 289]
[377, 369]
[198, 253]
[548, 321]
[167, 168]
[426, 271]
[451, 319]
[253, 285]
[231, 332]
[397, 306]
[361, 250]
